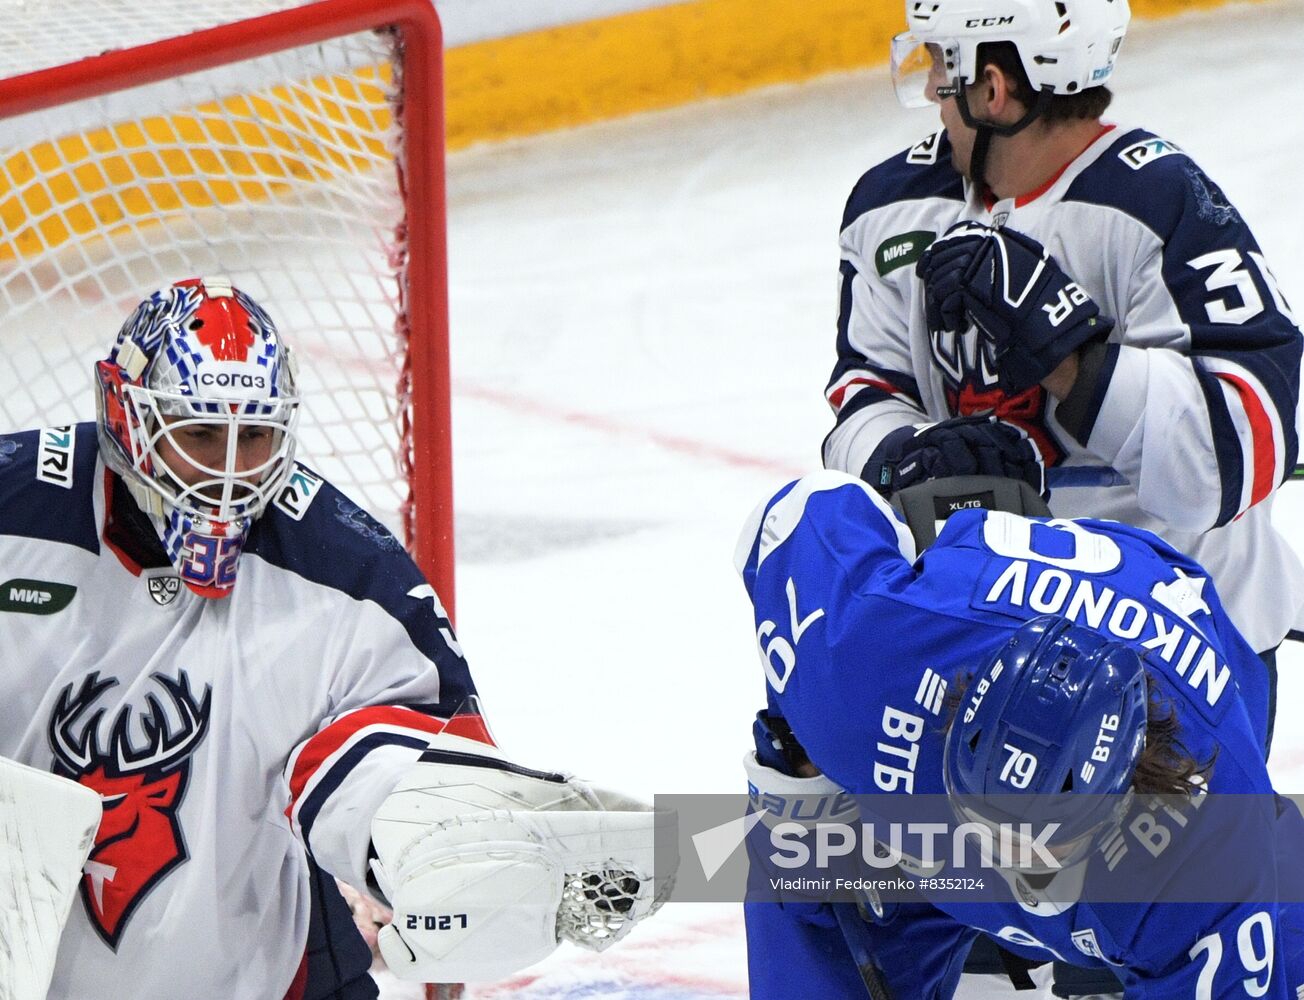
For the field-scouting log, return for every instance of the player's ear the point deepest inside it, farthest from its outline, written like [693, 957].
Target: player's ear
[990, 94]
[1000, 92]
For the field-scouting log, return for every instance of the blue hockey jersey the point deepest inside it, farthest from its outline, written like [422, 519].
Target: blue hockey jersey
[859, 640]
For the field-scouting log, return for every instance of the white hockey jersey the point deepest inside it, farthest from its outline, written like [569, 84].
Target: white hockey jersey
[222, 735]
[1192, 415]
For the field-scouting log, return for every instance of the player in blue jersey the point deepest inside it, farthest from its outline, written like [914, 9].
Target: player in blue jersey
[1049, 627]
[1037, 290]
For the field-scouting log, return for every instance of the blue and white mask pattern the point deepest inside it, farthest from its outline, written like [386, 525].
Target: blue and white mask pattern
[198, 414]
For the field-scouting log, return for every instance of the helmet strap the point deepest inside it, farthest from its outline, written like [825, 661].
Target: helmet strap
[146, 499]
[986, 131]
[982, 145]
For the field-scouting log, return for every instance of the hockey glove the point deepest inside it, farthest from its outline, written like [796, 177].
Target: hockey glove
[961, 446]
[777, 791]
[1006, 283]
[488, 865]
[942, 269]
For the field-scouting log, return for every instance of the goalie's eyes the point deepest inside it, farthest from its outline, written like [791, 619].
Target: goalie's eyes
[196, 432]
[201, 433]
[206, 433]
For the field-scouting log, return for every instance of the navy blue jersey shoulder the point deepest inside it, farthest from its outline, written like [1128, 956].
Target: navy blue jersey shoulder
[922, 171]
[339, 545]
[335, 543]
[47, 483]
[1153, 181]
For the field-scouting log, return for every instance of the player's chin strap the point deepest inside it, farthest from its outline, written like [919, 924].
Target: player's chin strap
[927, 505]
[488, 865]
[985, 131]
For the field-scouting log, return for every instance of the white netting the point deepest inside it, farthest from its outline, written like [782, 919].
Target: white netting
[600, 904]
[278, 172]
[38, 34]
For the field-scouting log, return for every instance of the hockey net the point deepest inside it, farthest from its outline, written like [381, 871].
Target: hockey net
[294, 148]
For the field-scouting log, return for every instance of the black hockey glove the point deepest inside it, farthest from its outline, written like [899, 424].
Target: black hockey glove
[1006, 283]
[942, 269]
[961, 446]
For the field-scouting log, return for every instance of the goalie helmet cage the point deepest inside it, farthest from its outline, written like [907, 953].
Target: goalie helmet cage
[295, 148]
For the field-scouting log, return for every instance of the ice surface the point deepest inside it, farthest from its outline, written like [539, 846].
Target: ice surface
[642, 328]
[643, 325]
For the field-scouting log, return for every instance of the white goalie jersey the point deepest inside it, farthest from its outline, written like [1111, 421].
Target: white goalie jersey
[222, 736]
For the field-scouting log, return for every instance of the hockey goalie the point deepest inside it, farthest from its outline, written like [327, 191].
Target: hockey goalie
[264, 693]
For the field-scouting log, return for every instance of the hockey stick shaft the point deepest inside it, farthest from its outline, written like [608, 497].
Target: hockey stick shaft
[1079, 476]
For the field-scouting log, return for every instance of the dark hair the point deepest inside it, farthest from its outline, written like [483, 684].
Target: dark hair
[1165, 766]
[1088, 104]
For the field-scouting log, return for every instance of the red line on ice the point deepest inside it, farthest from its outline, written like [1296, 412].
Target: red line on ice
[620, 428]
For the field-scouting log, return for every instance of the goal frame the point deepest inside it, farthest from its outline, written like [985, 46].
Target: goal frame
[426, 448]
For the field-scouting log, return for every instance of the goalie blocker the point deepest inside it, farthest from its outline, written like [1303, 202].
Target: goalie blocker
[488, 866]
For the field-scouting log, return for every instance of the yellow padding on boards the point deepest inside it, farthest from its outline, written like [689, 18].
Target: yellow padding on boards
[245, 149]
[671, 55]
[657, 58]
[240, 150]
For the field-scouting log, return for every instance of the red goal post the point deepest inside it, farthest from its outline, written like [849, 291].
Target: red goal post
[296, 148]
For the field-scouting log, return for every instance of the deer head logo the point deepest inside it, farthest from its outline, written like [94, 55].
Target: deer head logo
[139, 840]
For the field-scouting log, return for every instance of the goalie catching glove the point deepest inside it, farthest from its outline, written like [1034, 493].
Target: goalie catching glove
[488, 866]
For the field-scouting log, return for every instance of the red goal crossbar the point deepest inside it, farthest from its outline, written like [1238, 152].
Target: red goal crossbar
[424, 392]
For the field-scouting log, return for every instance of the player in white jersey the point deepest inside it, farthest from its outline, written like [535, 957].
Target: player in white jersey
[262, 688]
[1083, 283]
[1038, 293]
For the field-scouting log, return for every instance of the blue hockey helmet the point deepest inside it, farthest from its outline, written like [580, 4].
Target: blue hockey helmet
[1049, 731]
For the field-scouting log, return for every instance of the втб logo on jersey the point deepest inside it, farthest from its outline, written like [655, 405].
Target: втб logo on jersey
[141, 786]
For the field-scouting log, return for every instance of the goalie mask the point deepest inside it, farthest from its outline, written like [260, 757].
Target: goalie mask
[197, 413]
